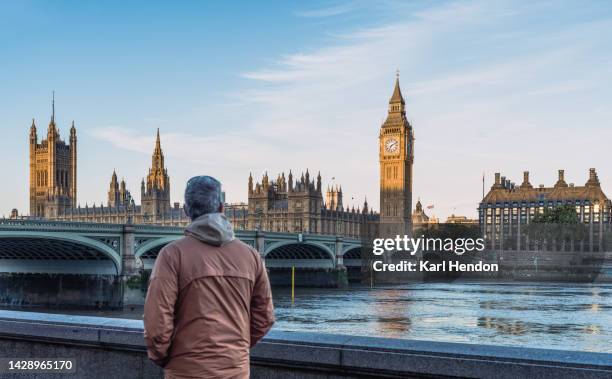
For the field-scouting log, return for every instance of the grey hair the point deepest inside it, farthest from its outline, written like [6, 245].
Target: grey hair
[202, 196]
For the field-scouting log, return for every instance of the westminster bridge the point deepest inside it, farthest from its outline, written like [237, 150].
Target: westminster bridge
[95, 257]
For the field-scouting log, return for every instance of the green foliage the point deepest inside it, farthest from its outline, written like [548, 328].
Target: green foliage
[557, 224]
[564, 214]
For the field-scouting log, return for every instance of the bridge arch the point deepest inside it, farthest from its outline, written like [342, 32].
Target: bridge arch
[149, 250]
[352, 256]
[305, 254]
[47, 252]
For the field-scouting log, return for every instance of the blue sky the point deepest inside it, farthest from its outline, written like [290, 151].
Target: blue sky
[239, 87]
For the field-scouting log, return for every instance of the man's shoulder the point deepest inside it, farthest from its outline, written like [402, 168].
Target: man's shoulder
[242, 245]
[186, 242]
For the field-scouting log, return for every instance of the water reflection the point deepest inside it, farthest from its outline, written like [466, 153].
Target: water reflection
[549, 315]
[390, 308]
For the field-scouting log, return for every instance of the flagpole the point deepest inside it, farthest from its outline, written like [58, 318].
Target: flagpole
[483, 175]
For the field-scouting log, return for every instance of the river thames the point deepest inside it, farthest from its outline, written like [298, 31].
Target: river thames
[564, 316]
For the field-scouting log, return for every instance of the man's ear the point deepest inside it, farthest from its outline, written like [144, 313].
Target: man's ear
[221, 207]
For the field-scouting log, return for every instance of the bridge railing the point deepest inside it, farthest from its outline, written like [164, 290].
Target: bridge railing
[34, 224]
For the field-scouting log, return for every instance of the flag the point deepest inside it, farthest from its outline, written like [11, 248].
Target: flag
[430, 206]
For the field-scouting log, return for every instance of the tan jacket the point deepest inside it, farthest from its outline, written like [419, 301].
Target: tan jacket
[208, 302]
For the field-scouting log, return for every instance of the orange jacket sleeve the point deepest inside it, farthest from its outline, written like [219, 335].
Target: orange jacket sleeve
[159, 307]
[262, 310]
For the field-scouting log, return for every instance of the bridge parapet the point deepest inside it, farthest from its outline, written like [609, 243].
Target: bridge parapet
[44, 225]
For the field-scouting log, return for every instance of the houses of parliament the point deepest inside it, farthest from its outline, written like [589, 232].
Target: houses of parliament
[285, 204]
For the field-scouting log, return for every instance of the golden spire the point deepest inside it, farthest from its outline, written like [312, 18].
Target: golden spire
[158, 143]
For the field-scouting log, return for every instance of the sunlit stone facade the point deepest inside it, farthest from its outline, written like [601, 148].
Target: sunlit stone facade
[53, 171]
[297, 206]
[507, 209]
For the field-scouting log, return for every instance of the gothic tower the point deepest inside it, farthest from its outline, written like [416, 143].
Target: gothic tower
[53, 165]
[396, 144]
[118, 195]
[156, 195]
[113, 192]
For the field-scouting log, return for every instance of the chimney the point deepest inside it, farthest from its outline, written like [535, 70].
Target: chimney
[593, 179]
[503, 182]
[561, 181]
[497, 179]
[526, 183]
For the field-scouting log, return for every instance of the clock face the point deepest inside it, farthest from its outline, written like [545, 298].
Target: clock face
[391, 145]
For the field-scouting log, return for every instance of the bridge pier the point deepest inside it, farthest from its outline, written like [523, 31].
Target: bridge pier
[128, 261]
[339, 249]
[130, 280]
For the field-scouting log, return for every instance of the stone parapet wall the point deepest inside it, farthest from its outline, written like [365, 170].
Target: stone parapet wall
[105, 348]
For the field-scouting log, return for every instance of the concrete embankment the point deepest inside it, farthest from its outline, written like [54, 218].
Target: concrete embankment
[114, 348]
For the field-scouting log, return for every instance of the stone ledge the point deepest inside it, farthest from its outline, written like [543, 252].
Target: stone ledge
[327, 353]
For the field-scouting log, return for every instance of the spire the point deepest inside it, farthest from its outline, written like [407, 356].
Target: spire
[158, 143]
[53, 108]
[397, 92]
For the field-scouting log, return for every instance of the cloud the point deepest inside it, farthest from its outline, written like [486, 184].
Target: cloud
[335, 10]
[484, 93]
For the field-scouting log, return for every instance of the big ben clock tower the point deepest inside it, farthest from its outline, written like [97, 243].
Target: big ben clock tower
[396, 155]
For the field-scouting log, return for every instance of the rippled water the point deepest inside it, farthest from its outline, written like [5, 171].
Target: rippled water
[556, 316]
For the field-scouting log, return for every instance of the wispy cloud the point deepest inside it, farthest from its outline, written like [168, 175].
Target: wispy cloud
[335, 10]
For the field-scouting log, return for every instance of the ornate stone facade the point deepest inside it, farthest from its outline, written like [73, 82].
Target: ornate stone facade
[285, 205]
[121, 207]
[53, 171]
[155, 195]
[118, 195]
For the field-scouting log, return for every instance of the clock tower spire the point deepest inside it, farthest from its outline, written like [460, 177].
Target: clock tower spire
[396, 154]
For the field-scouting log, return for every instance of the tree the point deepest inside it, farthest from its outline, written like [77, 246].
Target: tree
[556, 225]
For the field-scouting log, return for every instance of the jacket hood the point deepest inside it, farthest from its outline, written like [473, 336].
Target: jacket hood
[212, 228]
